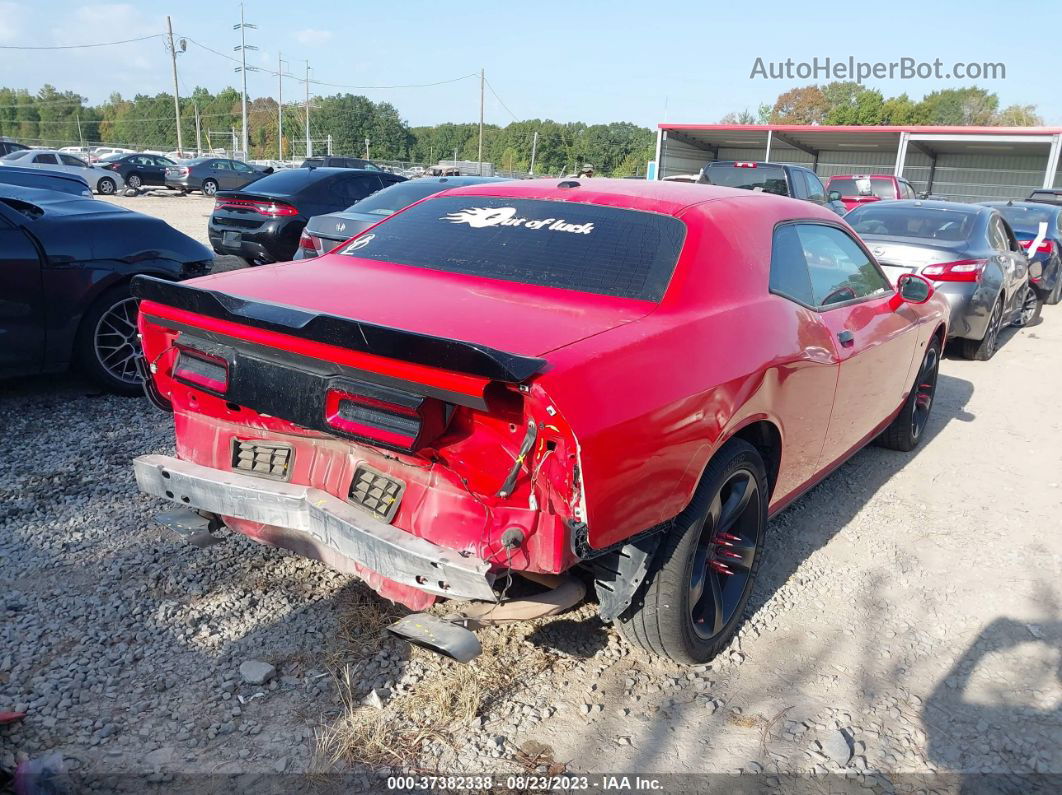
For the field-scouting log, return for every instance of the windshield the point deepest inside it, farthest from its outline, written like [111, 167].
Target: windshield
[568, 245]
[1027, 219]
[925, 222]
[767, 178]
[863, 186]
[394, 198]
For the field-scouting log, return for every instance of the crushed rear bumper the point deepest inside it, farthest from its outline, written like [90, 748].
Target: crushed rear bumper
[322, 522]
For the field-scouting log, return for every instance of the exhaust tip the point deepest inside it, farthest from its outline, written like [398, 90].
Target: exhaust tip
[437, 635]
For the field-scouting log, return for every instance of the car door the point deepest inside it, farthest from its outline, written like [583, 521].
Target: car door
[75, 165]
[156, 174]
[22, 326]
[1011, 259]
[873, 338]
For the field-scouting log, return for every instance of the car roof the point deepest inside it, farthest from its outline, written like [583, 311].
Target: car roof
[669, 198]
[926, 204]
[1022, 203]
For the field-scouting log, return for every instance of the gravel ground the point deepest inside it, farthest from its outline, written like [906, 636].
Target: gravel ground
[906, 626]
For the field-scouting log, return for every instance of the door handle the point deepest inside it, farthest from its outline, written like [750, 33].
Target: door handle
[846, 337]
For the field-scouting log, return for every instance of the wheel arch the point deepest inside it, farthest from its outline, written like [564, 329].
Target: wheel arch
[764, 435]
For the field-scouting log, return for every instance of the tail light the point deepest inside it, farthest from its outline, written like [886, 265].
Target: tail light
[963, 270]
[306, 242]
[271, 209]
[180, 171]
[202, 370]
[389, 417]
[1046, 247]
[113, 166]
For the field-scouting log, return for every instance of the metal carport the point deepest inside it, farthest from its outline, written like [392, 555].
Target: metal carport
[960, 163]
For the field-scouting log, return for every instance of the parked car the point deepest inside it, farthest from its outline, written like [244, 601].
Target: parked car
[140, 169]
[7, 146]
[969, 251]
[99, 152]
[73, 184]
[777, 178]
[465, 394]
[325, 232]
[263, 223]
[101, 180]
[1046, 195]
[330, 161]
[65, 266]
[857, 189]
[211, 174]
[1025, 219]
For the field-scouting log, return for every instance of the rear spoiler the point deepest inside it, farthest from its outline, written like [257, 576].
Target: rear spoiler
[463, 357]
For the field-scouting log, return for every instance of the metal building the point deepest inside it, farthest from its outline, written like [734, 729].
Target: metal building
[960, 163]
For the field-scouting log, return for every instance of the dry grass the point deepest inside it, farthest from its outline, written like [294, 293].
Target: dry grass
[441, 703]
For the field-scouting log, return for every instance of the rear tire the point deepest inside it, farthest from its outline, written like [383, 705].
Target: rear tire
[106, 186]
[904, 432]
[210, 187]
[1029, 308]
[106, 341]
[985, 348]
[699, 582]
[134, 181]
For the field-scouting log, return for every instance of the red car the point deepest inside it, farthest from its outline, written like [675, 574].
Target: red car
[857, 189]
[532, 376]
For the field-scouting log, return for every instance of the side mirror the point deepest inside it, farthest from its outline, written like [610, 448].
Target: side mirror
[835, 195]
[923, 195]
[914, 289]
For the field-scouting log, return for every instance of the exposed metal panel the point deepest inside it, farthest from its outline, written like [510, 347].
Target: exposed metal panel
[678, 157]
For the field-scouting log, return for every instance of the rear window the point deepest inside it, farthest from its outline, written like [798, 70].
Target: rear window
[1027, 219]
[392, 199]
[924, 222]
[766, 178]
[568, 245]
[286, 181]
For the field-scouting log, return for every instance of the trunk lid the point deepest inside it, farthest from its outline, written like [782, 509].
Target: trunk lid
[334, 228]
[898, 255]
[521, 319]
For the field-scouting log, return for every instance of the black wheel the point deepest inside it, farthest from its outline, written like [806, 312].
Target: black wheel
[134, 181]
[210, 187]
[1029, 308]
[107, 186]
[699, 583]
[905, 431]
[107, 344]
[985, 348]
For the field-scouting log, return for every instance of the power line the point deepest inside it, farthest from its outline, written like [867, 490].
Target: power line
[495, 93]
[78, 46]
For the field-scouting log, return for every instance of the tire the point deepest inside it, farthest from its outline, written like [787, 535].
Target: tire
[1056, 294]
[683, 576]
[904, 432]
[134, 181]
[985, 348]
[210, 187]
[1029, 308]
[106, 186]
[110, 325]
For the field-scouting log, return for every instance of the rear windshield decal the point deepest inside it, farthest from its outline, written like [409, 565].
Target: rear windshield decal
[479, 217]
[360, 242]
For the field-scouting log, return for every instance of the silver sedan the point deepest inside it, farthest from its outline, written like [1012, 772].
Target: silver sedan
[101, 180]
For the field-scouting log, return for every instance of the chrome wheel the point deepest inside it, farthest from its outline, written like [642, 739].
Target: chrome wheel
[723, 562]
[115, 342]
[1028, 307]
[209, 187]
[925, 389]
[992, 332]
[106, 186]
[134, 182]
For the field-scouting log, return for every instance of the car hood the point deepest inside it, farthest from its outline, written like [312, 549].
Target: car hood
[341, 226]
[520, 319]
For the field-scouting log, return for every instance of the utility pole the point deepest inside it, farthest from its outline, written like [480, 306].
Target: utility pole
[366, 148]
[534, 148]
[306, 110]
[280, 107]
[198, 132]
[243, 48]
[80, 137]
[176, 91]
[455, 157]
[482, 81]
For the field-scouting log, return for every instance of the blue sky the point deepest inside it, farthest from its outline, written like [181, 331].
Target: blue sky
[570, 61]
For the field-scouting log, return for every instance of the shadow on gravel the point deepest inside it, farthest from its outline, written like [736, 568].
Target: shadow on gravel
[583, 638]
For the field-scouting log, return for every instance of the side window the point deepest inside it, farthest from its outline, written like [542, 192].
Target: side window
[50, 160]
[789, 269]
[798, 186]
[815, 189]
[839, 269]
[241, 168]
[352, 190]
[221, 165]
[906, 191]
[997, 236]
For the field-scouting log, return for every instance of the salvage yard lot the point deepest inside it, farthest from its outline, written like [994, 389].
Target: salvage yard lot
[907, 619]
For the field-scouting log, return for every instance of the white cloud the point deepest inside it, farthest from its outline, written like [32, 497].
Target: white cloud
[10, 23]
[312, 36]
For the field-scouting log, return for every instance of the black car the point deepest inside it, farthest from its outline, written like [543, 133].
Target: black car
[73, 184]
[139, 170]
[7, 147]
[1046, 196]
[65, 266]
[780, 179]
[331, 161]
[262, 223]
[1025, 219]
[325, 232]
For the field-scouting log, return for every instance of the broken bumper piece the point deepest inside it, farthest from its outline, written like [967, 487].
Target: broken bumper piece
[324, 521]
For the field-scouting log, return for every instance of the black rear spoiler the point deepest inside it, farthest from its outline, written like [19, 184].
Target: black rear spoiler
[410, 346]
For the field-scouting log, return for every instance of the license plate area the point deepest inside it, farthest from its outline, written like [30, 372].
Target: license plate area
[375, 492]
[231, 239]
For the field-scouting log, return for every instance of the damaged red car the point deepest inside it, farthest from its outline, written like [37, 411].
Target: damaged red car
[618, 378]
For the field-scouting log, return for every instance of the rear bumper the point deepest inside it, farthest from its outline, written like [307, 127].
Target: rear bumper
[273, 241]
[318, 521]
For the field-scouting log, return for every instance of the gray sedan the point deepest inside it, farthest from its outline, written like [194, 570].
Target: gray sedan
[211, 174]
[968, 251]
